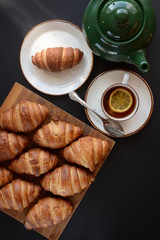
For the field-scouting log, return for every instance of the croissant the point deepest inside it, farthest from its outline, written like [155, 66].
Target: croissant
[47, 212]
[67, 180]
[57, 134]
[5, 176]
[34, 162]
[25, 116]
[18, 194]
[57, 59]
[87, 152]
[11, 145]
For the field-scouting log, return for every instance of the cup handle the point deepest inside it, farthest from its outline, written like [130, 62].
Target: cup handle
[125, 78]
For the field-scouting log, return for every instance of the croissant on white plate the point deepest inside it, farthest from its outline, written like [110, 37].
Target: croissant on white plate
[34, 162]
[57, 58]
[11, 145]
[18, 194]
[67, 180]
[57, 134]
[87, 152]
[5, 176]
[25, 116]
[48, 212]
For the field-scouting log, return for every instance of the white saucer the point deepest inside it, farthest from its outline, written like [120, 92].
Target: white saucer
[106, 79]
[55, 33]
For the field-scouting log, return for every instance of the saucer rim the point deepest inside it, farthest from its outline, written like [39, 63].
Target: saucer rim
[151, 96]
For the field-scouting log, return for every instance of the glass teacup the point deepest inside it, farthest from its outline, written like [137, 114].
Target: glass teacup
[120, 101]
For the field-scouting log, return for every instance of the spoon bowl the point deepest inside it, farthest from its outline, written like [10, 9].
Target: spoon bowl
[112, 127]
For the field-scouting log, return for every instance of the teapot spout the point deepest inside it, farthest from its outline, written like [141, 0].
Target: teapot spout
[138, 59]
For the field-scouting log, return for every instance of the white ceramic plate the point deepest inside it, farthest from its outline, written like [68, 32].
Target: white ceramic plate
[55, 33]
[106, 79]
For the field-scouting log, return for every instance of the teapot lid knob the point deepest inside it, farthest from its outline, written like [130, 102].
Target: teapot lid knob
[122, 16]
[120, 20]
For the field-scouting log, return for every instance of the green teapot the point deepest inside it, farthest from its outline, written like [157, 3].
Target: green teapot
[120, 30]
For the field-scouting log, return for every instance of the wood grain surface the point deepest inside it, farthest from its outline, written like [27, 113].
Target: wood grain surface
[19, 92]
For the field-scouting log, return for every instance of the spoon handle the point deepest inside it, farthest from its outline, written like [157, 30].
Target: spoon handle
[74, 96]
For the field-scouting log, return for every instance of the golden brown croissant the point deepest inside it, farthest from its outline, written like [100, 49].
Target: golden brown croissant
[87, 152]
[18, 194]
[57, 59]
[11, 145]
[67, 180]
[25, 116]
[57, 134]
[48, 212]
[5, 176]
[35, 162]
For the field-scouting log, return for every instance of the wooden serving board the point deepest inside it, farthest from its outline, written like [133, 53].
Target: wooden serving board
[19, 92]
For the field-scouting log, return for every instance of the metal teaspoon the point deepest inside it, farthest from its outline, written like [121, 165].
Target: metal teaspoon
[111, 126]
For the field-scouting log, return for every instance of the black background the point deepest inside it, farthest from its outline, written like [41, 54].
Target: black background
[123, 202]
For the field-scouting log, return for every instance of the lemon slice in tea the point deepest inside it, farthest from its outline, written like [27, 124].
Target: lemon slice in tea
[120, 100]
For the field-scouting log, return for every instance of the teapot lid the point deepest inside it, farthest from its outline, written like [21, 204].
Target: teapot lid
[120, 20]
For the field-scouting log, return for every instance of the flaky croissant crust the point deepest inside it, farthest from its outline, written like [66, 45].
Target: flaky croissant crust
[67, 180]
[34, 162]
[87, 152]
[18, 194]
[5, 176]
[57, 59]
[12, 144]
[25, 116]
[57, 134]
[47, 213]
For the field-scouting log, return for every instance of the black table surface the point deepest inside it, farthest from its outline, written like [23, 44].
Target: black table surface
[123, 202]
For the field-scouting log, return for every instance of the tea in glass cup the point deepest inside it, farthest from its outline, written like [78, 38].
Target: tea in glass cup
[120, 102]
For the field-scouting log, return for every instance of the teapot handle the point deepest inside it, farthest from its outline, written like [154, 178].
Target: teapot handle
[138, 59]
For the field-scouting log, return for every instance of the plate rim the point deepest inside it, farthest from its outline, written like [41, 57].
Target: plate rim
[31, 30]
[151, 96]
